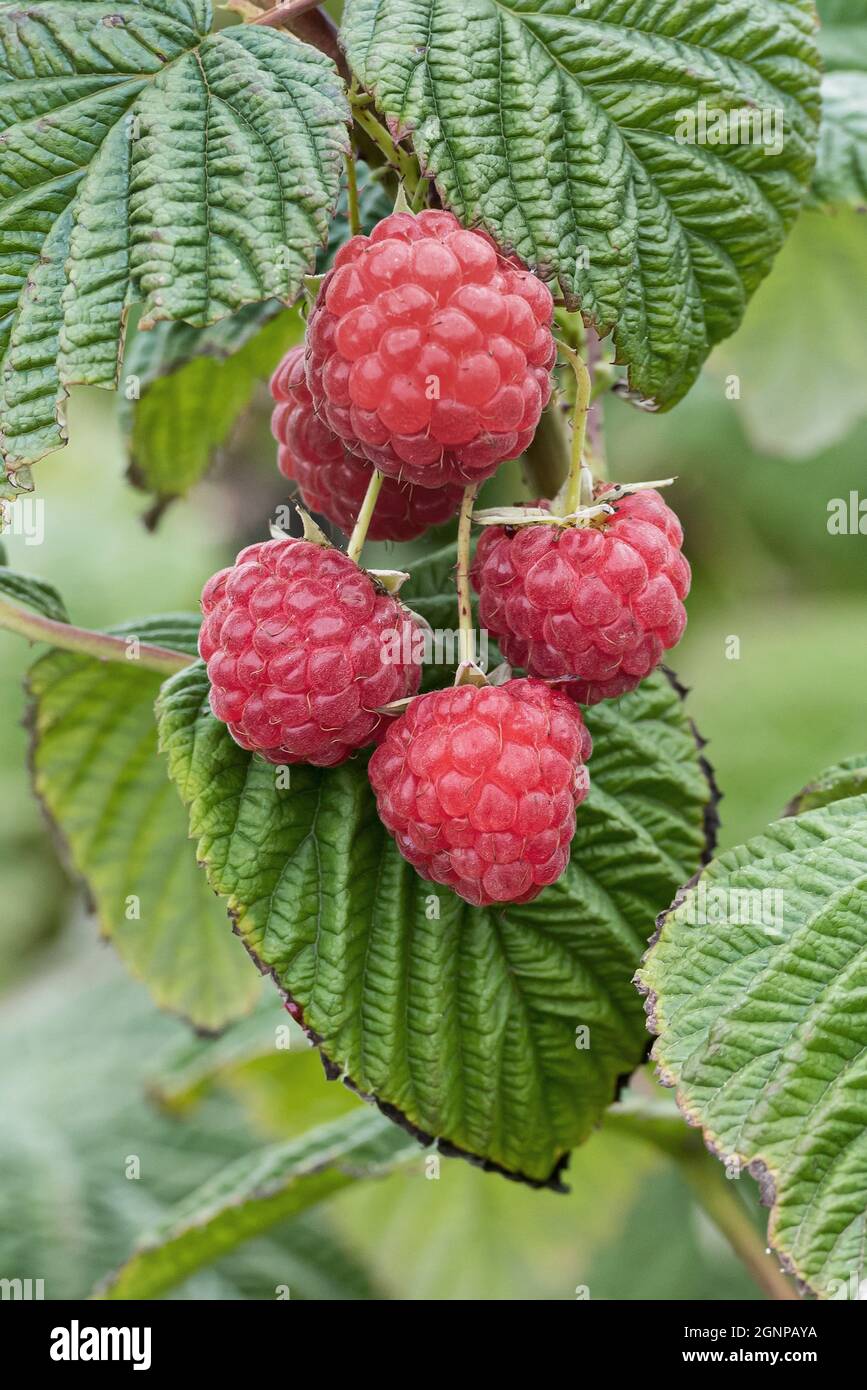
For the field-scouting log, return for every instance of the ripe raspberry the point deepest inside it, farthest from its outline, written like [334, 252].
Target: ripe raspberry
[420, 306]
[597, 603]
[331, 480]
[479, 787]
[293, 639]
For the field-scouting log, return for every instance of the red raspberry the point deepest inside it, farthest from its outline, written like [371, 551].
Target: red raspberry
[331, 480]
[293, 636]
[597, 603]
[420, 306]
[479, 787]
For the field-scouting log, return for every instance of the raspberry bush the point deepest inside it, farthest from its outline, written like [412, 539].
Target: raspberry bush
[448, 241]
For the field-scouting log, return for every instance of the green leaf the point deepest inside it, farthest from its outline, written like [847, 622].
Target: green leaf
[193, 385]
[97, 772]
[555, 127]
[757, 988]
[806, 325]
[145, 158]
[254, 1193]
[461, 1022]
[26, 591]
[841, 166]
[848, 778]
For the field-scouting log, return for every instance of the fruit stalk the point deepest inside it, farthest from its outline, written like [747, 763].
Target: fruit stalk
[101, 645]
[406, 164]
[462, 575]
[359, 530]
[579, 488]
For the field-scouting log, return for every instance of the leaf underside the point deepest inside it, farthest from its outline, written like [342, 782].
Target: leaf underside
[462, 1023]
[101, 781]
[555, 127]
[146, 159]
[760, 1004]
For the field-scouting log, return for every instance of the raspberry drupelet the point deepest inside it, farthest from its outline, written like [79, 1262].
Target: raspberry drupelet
[598, 603]
[479, 787]
[428, 352]
[331, 480]
[299, 647]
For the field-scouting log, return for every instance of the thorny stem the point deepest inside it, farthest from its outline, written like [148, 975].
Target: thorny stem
[406, 164]
[579, 489]
[462, 573]
[79, 639]
[352, 196]
[362, 521]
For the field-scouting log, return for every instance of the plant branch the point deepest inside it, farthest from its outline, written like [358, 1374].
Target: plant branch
[405, 163]
[656, 1123]
[282, 14]
[97, 644]
[307, 22]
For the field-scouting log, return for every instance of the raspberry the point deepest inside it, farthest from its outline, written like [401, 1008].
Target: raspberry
[428, 352]
[479, 787]
[331, 480]
[600, 603]
[295, 636]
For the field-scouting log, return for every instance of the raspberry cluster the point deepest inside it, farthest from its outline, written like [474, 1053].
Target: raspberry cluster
[428, 352]
[331, 480]
[294, 636]
[596, 605]
[428, 356]
[479, 787]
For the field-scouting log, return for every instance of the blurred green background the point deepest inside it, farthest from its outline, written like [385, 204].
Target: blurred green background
[776, 658]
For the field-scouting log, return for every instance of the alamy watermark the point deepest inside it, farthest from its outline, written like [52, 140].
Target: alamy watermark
[425, 646]
[25, 518]
[742, 125]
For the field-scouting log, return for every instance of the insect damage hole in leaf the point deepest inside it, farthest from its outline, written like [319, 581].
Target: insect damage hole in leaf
[146, 158]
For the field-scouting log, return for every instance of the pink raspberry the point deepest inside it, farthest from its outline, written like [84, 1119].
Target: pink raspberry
[331, 480]
[428, 352]
[479, 787]
[301, 651]
[600, 603]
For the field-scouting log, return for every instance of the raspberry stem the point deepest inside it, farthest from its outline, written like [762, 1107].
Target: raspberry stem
[462, 574]
[406, 164]
[101, 645]
[352, 196]
[579, 488]
[362, 522]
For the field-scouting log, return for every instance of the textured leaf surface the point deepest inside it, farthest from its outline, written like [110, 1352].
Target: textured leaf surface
[761, 1011]
[257, 1191]
[848, 778]
[841, 166]
[194, 383]
[463, 1021]
[26, 591]
[555, 127]
[144, 158]
[97, 772]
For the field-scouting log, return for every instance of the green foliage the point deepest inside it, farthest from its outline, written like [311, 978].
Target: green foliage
[555, 129]
[461, 1019]
[88, 1161]
[197, 172]
[193, 384]
[97, 772]
[759, 1003]
[26, 591]
[250, 1195]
